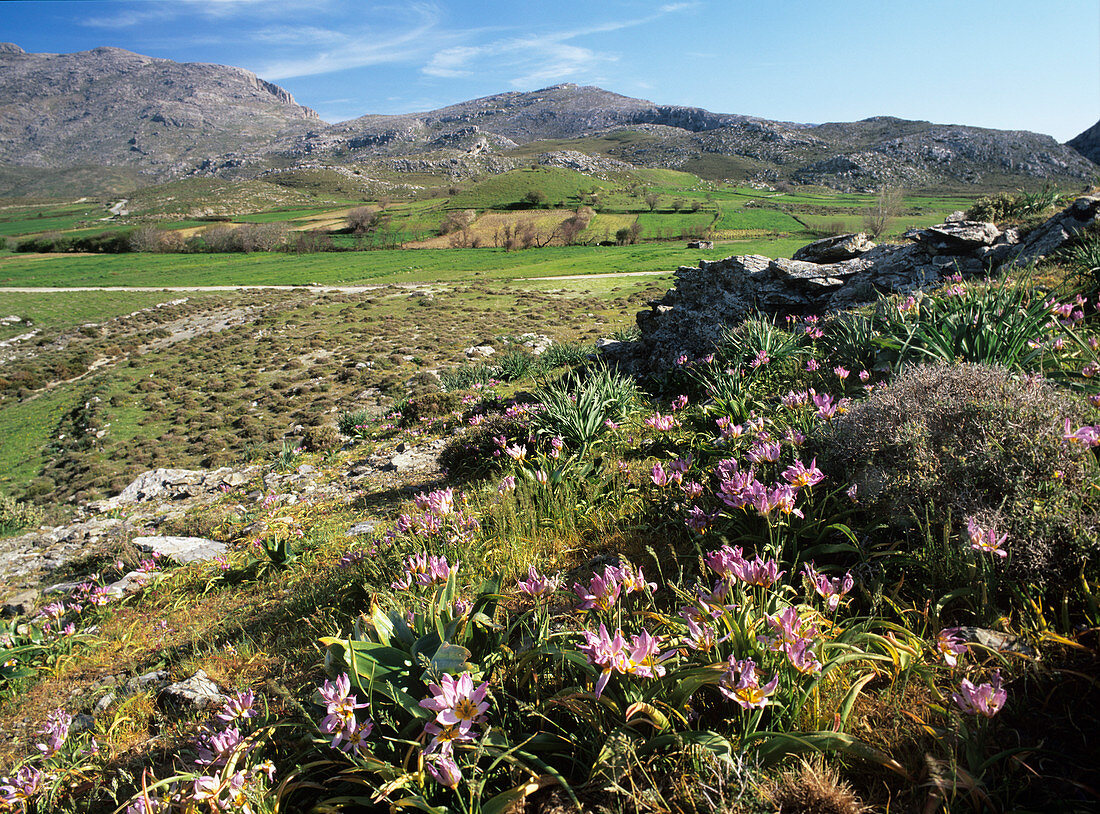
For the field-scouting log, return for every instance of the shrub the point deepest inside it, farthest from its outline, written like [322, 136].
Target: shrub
[429, 405]
[321, 438]
[475, 454]
[15, 514]
[973, 440]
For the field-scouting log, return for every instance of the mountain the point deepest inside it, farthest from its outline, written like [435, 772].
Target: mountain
[131, 113]
[112, 107]
[1088, 143]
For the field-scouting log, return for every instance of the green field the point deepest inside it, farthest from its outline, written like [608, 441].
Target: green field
[350, 268]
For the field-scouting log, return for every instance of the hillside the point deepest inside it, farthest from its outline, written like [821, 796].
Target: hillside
[1087, 143]
[116, 108]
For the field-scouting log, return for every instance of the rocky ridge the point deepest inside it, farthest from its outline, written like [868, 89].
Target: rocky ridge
[691, 317]
[113, 108]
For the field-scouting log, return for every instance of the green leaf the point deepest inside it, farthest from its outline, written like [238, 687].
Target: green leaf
[449, 658]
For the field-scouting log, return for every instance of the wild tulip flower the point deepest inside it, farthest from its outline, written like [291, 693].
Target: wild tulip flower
[680, 402]
[517, 452]
[214, 748]
[700, 636]
[725, 560]
[606, 652]
[56, 731]
[340, 705]
[507, 485]
[950, 645]
[831, 590]
[985, 699]
[658, 475]
[25, 786]
[826, 406]
[841, 372]
[1085, 436]
[864, 376]
[799, 475]
[793, 400]
[443, 770]
[812, 366]
[541, 478]
[1094, 399]
[692, 489]
[239, 707]
[742, 686]
[1090, 370]
[728, 429]
[985, 541]
[759, 572]
[602, 591]
[699, 520]
[661, 423]
[760, 360]
[765, 452]
[794, 437]
[538, 585]
[456, 702]
[634, 581]
[802, 657]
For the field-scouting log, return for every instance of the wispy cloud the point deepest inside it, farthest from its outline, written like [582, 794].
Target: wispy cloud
[399, 40]
[538, 59]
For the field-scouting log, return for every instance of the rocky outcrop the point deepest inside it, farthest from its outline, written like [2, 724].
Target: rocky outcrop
[834, 249]
[1087, 143]
[692, 316]
[1056, 230]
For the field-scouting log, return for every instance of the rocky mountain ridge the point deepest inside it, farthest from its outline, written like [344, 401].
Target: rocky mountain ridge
[114, 108]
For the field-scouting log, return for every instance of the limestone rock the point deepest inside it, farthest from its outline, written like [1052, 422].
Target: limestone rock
[834, 249]
[480, 352]
[182, 549]
[362, 528]
[957, 237]
[1052, 234]
[197, 692]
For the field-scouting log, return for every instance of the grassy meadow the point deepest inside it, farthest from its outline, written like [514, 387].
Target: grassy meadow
[842, 564]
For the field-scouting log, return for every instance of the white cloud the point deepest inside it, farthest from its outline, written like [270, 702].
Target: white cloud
[452, 62]
[538, 59]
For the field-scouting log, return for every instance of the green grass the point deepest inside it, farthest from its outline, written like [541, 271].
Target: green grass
[58, 312]
[25, 429]
[349, 268]
[506, 191]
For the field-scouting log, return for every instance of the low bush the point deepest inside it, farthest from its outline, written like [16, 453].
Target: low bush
[16, 515]
[971, 440]
[321, 438]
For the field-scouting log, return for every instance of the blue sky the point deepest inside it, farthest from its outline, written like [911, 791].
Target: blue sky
[1013, 64]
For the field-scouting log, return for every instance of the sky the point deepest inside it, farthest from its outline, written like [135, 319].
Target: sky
[1009, 64]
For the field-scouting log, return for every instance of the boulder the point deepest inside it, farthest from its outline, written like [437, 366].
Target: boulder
[1053, 233]
[480, 352]
[957, 237]
[181, 549]
[197, 692]
[834, 249]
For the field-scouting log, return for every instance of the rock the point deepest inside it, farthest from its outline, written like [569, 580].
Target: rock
[1052, 234]
[362, 528]
[958, 237]
[103, 703]
[197, 692]
[129, 584]
[955, 217]
[81, 723]
[20, 604]
[150, 485]
[538, 344]
[182, 549]
[480, 352]
[306, 469]
[61, 589]
[416, 459]
[146, 680]
[700, 244]
[995, 640]
[834, 249]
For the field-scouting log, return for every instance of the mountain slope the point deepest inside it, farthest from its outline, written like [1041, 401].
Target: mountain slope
[1088, 143]
[130, 113]
[114, 107]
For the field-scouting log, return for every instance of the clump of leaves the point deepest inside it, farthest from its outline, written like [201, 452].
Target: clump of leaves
[477, 453]
[578, 407]
[16, 514]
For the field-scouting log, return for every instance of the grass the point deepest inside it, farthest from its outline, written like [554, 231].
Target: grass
[377, 267]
